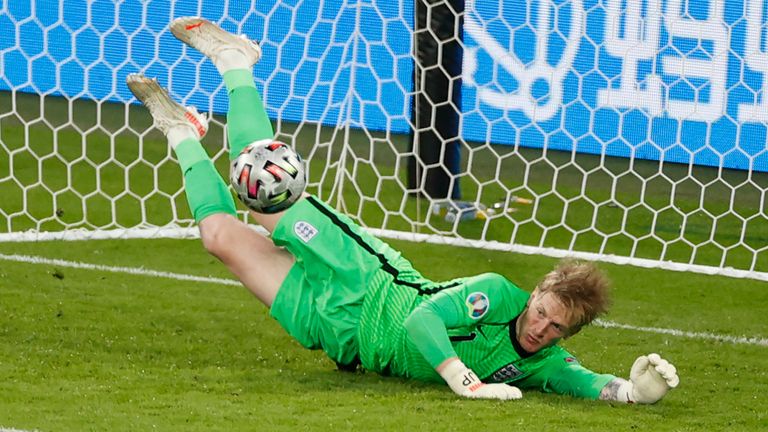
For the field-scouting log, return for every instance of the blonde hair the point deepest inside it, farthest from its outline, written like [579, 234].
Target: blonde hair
[581, 287]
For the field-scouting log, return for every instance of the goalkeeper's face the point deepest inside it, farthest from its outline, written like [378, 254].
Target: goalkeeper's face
[543, 323]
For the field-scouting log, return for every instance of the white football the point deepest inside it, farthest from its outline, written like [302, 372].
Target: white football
[268, 176]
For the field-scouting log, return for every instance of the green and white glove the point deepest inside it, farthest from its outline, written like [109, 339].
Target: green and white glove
[465, 383]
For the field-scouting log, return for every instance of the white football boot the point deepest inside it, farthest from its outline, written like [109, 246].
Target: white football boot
[166, 112]
[218, 45]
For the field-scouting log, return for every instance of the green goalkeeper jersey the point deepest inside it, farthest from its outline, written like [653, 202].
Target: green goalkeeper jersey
[352, 295]
[472, 318]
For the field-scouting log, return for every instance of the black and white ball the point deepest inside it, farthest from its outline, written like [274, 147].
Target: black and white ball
[268, 176]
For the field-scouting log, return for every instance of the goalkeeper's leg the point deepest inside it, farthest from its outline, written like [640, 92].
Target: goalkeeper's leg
[254, 259]
[234, 57]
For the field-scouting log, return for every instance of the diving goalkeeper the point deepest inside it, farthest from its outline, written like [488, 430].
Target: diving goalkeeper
[334, 287]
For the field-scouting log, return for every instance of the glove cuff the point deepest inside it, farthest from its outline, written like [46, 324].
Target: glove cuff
[460, 378]
[625, 392]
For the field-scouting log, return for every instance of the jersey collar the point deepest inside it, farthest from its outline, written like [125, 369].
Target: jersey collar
[513, 338]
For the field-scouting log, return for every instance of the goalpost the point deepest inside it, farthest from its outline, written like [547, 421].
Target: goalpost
[624, 131]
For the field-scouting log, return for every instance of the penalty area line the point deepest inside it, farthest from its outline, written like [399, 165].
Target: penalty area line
[140, 271]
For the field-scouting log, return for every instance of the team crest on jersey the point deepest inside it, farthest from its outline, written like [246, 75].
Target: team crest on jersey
[505, 374]
[304, 230]
[477, 303]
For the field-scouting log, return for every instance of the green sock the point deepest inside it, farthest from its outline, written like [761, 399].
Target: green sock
[189, 152]
[247, 120]
[207, 194]
[235, 78]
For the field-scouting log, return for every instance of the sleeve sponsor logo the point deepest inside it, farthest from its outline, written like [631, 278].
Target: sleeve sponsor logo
[304, 230]
[478, 304]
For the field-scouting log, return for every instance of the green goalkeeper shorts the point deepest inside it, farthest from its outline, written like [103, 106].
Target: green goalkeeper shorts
[321, 299]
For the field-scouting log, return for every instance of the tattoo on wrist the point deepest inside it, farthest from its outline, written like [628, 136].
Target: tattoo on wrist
[611, 390]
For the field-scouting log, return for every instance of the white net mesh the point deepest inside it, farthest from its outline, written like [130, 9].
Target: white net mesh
[626, 130]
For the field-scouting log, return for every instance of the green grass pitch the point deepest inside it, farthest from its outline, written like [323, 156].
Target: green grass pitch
[90, 349]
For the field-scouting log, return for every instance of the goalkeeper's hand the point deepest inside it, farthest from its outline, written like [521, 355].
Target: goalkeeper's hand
[651, 378]
[465, 383]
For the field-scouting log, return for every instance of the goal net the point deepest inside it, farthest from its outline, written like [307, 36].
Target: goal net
[625, 131]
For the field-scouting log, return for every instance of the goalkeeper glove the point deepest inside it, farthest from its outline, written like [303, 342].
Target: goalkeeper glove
[465, 383]
[650, 378]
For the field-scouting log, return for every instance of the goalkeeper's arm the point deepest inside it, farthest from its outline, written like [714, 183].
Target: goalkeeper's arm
[650, 378]
[426, 329]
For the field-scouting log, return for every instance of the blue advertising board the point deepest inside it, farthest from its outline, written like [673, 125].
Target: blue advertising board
[672, 80]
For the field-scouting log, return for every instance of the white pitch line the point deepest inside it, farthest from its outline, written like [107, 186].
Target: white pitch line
[185, 277]
[112, 269]
[3, 429]
[681, 333]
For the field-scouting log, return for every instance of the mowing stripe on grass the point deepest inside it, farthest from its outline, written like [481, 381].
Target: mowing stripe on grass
[753, 340]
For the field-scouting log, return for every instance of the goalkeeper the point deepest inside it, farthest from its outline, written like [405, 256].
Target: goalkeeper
[332, 286]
